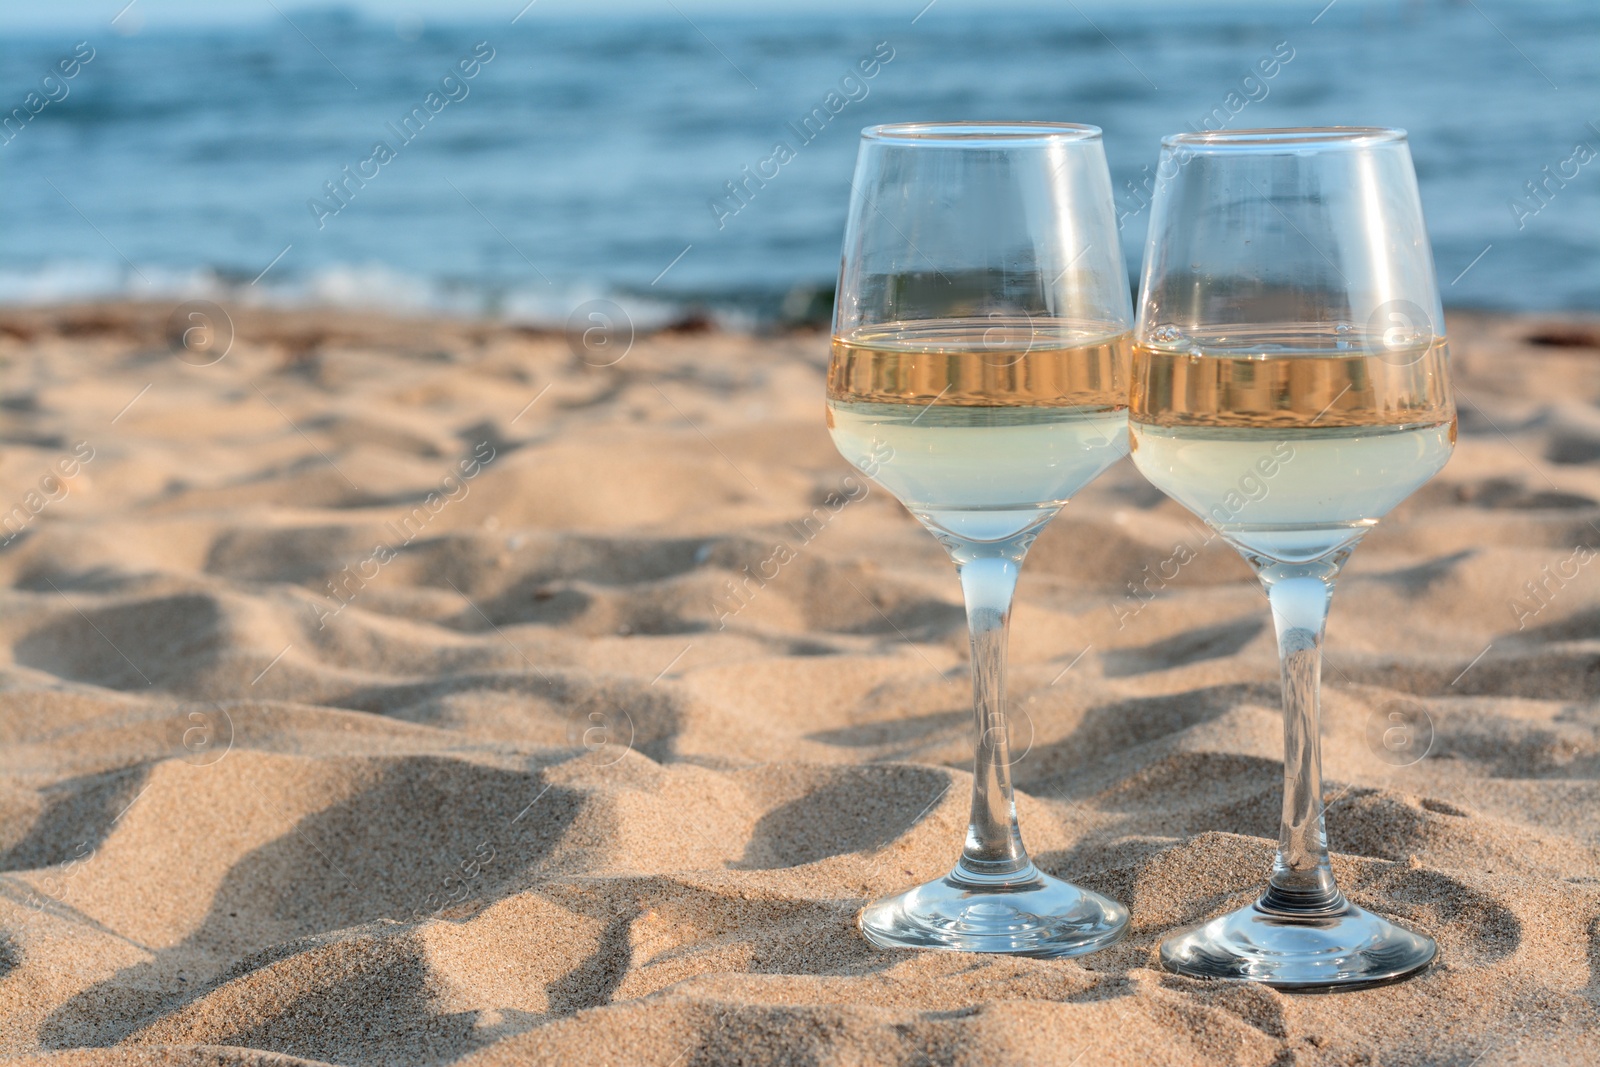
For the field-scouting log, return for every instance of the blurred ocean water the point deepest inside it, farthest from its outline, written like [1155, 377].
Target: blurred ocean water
[518, 169]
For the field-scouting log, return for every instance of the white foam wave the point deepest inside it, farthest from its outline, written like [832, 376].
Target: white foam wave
[365, 286]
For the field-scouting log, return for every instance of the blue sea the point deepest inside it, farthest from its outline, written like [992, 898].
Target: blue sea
[515, 169]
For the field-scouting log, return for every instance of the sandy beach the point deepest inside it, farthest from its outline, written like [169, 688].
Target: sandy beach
[400, 691]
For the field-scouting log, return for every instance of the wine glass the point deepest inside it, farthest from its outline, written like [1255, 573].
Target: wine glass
[1290, 387]
[979, 374]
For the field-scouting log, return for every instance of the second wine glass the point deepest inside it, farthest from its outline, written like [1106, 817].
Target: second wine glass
[979, 373]
[1290, 387]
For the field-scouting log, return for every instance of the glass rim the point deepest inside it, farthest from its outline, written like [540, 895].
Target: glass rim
[966, 134]
[1288, 138]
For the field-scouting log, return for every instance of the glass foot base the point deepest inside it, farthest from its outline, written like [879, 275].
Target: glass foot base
[1030, 914]
[1344, 948]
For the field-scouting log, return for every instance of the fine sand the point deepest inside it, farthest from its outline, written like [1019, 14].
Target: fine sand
[377, 695]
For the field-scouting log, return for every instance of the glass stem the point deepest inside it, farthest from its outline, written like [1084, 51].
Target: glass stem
[994, 851]
[1302, 880]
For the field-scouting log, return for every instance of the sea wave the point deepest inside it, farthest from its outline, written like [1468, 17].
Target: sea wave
[379, 287]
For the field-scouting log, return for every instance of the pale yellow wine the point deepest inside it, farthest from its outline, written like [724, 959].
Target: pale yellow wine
[982, 428]
[1292, 444]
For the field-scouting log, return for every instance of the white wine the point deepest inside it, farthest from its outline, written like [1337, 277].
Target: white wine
[983, 474]
[982, 428]
[1291, 446]
[1291, 494]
